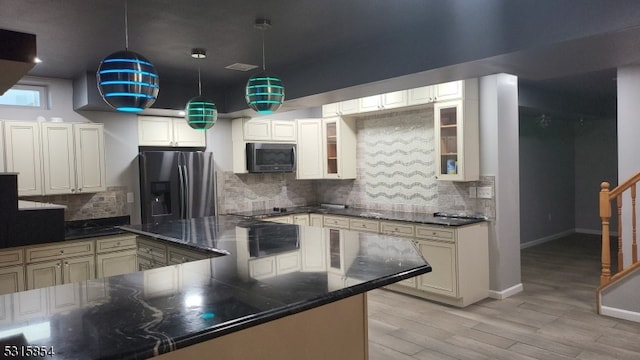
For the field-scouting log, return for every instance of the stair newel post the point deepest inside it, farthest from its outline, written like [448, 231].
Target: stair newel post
[634, 244]
[605, 215]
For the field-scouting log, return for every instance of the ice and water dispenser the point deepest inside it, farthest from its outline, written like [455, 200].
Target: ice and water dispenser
[161, 198]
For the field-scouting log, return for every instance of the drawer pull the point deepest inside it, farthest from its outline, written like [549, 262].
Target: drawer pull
[118, 244]
[395, 229]
[61, 252]
[66, 263]
[434, 233]
[58, 265]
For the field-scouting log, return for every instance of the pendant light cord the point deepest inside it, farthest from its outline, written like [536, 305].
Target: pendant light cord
[126, 28]
[263, 61]
[199, 83]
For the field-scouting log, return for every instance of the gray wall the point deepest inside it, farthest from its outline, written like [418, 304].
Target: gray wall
[596, 160]
[547, 204]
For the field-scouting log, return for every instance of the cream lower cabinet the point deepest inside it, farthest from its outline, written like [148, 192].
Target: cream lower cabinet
[11, 271]
[151, 254]
[300, 219]
[49, 265]
[63, 271]
[280, 219]
[459, 258]
[177, 255]
[73, 158]
[116, 255]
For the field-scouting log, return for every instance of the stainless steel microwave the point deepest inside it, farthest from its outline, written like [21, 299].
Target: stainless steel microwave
[271, 158]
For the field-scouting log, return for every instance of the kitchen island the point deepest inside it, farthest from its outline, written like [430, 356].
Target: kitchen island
[231, 305]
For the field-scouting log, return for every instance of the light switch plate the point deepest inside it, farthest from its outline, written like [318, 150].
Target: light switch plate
[473, 192]
[485, 192]
[130, 197]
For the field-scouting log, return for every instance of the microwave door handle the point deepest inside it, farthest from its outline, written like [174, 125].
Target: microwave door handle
[293, 157]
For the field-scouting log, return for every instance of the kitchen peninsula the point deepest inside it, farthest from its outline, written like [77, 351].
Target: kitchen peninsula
[281, 291]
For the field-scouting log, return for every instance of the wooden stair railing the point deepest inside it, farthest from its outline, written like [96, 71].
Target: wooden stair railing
[606, 198]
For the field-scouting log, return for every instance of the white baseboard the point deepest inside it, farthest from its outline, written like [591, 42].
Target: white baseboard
[547, 238]
[594, 232]
[620, 314]
[503, 294]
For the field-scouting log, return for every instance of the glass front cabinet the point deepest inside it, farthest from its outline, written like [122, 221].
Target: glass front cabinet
[456, 140]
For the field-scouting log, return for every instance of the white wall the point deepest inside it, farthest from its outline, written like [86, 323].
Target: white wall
[628, 145]
[60, 102]
[499, 158]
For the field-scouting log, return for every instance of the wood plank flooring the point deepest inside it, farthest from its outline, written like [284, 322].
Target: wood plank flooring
[553, 318]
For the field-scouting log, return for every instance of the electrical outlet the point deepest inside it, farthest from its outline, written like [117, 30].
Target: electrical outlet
[473, 192]
[484, 192]
[130, 197]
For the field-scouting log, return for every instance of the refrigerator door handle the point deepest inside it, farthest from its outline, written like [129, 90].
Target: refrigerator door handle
[182, 192]
[187, 193]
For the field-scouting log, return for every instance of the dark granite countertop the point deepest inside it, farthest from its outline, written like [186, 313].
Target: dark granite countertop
[421, 218]
[88, 228]
[140, 314]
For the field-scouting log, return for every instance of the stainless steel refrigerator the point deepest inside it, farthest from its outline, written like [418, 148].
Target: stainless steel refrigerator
[176, 185]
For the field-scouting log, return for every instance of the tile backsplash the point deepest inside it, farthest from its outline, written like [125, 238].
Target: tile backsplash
[110, 203]
[395, 171]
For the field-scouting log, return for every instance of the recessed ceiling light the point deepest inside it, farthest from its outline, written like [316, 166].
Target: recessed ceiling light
[241, 67]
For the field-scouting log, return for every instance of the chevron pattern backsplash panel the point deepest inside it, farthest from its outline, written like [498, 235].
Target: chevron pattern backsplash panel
[397, 158]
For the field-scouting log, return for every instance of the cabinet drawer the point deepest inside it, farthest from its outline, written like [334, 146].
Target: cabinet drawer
[336, 222]
[394, 228]
[59, 251]
[115, 243]
[364, 225]
[179, 256]
[11, 257]
[434, 233]
[152, 251]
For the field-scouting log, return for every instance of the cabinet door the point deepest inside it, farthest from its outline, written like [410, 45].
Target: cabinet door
[116, 263]
[44, 274]
[177, 255]
[287, 263]
[394, 99]
[79, 269]
[313, 249]
[64, 298]
[256, 129]
[22, 145]
[185, 135]
[448, 91]
[262, 268]
[316, 220]
[29, 305]
[58, 159]
[155, 131]
[301, 219]
[339, 148]
[443, 279]
[371, 103]
[11, 279]
[89, 155]
[349, 107]
[329, 110]
[283, 130]
[421, 95]
[309, 149]
[448, 140]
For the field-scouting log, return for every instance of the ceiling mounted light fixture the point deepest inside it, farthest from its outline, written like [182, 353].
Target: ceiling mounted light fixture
[264, 92]
[127, 81]
[201, 113]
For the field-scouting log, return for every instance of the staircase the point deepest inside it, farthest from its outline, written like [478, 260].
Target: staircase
[617, 295]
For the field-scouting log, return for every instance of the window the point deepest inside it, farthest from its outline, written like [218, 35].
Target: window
[30, 96]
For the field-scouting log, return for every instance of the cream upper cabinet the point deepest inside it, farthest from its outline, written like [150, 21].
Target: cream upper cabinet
[326, 148]
[309, 149]
[384, 101]
[449, 91]
[346, 107]
[456, 133]
[168, 131]
[267, 130]
[73, 158]
[421, 95]
[22, 152]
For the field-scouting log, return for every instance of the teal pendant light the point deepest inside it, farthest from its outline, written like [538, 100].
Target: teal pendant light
[201, 113]
[264, 91]
[126, 80]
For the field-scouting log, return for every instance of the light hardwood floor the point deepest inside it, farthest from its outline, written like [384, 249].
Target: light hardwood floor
[553, 318]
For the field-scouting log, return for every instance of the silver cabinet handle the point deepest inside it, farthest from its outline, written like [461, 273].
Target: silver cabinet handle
[58, 265]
